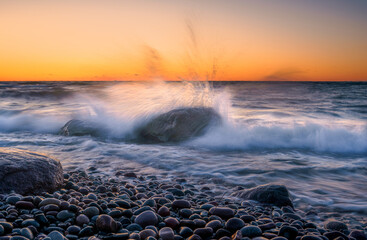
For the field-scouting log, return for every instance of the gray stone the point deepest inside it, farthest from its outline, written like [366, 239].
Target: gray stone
[336, 226]
[55, 235]
[178, 125]
[77, 127]
[251, 231]
[91, 211]
[28, 172]
[106, 223]
[222, 212]
[146, 218]
[166, 233]
[277, 195]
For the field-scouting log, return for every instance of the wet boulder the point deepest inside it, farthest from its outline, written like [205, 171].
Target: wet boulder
[27, 172]
[77, 127]
[277, 195]
[178, 125]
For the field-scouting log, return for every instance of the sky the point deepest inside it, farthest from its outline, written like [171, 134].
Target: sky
[253, 40]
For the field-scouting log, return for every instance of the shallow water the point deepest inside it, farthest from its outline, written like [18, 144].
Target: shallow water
[311, 136]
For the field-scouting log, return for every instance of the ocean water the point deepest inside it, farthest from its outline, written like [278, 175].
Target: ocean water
[309, 136]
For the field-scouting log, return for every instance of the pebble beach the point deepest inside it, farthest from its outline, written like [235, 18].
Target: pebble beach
[128, 206]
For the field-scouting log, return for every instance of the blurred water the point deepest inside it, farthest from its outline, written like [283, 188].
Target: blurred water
[310, 136]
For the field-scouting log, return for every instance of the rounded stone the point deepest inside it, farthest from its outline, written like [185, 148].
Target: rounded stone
[7, 226]
[74, 230]
[56, 235]
[204, 232]
[181, 204]
[311, 237]
[222, 212]
[24, 205]
[26, 232]
[288, 232]
[358, 235]
[166, 233]
[251, 231]
[214, 224]
[164, 211]
[146, 218]
[106, 223]
[186, 232]
[91, 211]
[234, 224]
[31, 172]
[336, 226]
[48, 201]
[64, 215]
[147, 233]
[171, 222]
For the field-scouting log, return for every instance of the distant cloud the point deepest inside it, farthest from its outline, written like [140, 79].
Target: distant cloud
[286, 74]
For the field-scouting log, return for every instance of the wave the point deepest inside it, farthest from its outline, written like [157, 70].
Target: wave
[119, 110]
[308, 136]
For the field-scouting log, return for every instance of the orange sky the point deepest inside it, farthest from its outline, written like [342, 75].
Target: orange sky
[188, 39]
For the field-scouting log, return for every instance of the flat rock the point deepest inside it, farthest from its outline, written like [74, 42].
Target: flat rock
[28, 172]
[277, 195]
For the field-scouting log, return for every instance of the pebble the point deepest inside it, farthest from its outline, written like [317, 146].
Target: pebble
[26, 232]
[164, 211]
[24, 205]
[222, 212]
[82, 219]
[288, 232]
[251, 231]
[55, 235]
[106, 223]
[166, 233]
[48, 201]
[64, 215]
[336, 226]
[186, 232]
[204, 233]
[146, 218]
[91, 212]
[181, 204]
[234, 224]
[171, 222]
[147, 233]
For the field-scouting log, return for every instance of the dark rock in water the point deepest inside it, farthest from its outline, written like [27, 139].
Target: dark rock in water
[336, 226]
[77, 127]
[178, 125]
[277, 195]
[28, 172]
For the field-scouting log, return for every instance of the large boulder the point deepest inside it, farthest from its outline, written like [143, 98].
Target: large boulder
[28, 172]
[77, 127]
[277, 195]
[178, 125]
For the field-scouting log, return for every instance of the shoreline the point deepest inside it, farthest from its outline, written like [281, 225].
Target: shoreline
[128, 206]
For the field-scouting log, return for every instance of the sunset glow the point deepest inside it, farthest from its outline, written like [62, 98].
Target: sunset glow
[190, 40]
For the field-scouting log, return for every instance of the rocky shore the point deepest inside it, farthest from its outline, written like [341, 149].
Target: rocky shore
[145, 207]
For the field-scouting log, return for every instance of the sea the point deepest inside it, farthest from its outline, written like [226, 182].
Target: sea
[309, 136]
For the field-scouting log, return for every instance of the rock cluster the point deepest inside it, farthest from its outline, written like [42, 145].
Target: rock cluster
[141, 208]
